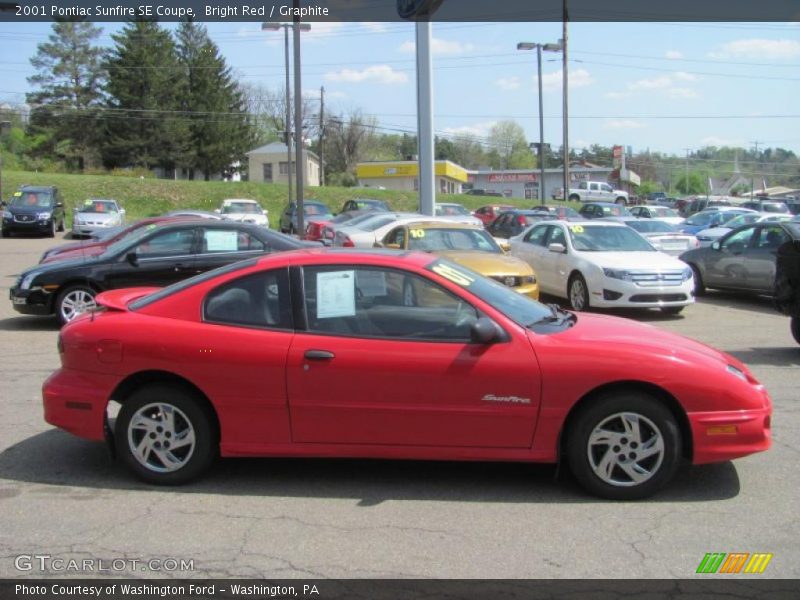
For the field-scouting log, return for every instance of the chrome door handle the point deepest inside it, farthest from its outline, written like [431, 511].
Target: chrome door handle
[319, 355]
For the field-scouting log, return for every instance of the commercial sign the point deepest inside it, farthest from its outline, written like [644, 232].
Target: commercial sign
[617, 153]
[511, 177]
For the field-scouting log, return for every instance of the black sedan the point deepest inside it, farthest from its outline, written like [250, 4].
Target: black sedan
[742, 260]
[603, 210]
[157, 255]
[513, 222]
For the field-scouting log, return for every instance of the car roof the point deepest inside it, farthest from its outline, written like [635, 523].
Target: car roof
[34, 188]
[247, 200]
[443, 225]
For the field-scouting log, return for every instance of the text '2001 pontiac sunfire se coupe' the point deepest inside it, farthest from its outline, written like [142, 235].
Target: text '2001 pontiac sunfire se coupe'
[318, 353]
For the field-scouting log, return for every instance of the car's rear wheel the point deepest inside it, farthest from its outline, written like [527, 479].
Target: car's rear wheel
[73, 301]
[165, 436]
[672, 310]
[574, 198]
[51, 231]
[624, 446]
[621, 201]
[699, 286]
[795, 327]
[578, 293]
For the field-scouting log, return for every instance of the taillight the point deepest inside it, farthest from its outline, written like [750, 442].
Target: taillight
[347, 243]
[521, 220]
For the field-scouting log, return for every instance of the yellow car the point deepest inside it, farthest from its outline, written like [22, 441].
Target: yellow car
[468, 245]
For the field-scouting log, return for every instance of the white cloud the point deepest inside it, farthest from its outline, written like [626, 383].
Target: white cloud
[651, 84]
[713, 140]
[508, 83]
[440, 47]
[476, 129]
[373, 26]
[622, 124]
[681, 93]
[759, 49]
[617, 95]
[684, 76]
[577, 78]
[383, 74]
[673, 54]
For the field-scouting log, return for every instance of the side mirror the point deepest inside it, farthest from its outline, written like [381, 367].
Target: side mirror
[122, 211]
[505, 245]
[485, 331]
[132, 259]
[715, 246]
[557, 248]
[59, 204]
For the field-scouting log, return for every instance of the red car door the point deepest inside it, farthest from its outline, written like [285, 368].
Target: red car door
[378, 366]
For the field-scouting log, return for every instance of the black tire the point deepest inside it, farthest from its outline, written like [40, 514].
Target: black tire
[51, 231]
[76, 296]
[580, 301]
[614, 415]
[574, 198]
[699, 286]
[188, 415]
[795, 327]
[6, 233]
[61, 226]
[621, 201]
[672, 310]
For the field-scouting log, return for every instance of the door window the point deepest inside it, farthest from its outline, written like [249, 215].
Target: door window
[383, 303]
[556, 236]
[771, 237]
[258, 300]
[230, 240]
[536, 236]
[738, 241]
[398, 237]
[168, 243]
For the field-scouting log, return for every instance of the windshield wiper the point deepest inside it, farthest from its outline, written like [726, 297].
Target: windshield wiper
[556, 316]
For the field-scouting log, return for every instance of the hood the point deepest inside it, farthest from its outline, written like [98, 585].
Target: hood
[76, 253]
[59, 265]
[96, 217]
[487, 263]
[603, 331]
[633, 260]
[28, 210]
[246, 217]
[713, 232]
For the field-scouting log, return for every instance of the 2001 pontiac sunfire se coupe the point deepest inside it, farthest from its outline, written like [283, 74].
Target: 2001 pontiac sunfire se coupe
[319, 353]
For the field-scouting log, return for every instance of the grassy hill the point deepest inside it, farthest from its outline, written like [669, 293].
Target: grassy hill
[150, 197]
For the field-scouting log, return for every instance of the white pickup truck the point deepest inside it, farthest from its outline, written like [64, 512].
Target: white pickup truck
[597, 191]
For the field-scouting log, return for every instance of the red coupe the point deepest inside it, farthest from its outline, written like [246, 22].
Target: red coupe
[320, 353]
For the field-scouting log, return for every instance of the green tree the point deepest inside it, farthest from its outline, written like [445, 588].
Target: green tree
[143, 121]
[695, 184]
[508, 145]
[69, 79]
[219, 128]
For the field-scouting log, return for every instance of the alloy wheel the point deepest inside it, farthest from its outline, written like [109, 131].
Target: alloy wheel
[161, 437]
[76, 302]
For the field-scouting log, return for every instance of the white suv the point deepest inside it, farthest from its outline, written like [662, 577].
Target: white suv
[593, 191]
[244, 210]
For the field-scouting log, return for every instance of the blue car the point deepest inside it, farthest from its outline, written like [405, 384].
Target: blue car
[710, 218]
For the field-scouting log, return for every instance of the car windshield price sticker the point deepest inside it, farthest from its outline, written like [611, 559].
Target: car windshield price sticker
[576, 229]
[416, 233]
[371, 284]
[336, 294]
[221, 241]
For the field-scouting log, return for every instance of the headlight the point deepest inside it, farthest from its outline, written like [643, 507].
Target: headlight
[528, 279]
[27, 281]
[687, 273]
[43, 216]
[5, 214]
[618, 274]
[738, 372]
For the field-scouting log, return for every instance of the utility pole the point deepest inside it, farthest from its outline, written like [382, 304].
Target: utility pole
[565, 74]
[288, 126]
[427, 180]
[321, 135]
[686, 180]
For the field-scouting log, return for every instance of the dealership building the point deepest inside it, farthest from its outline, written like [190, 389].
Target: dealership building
[524, 183]
[404, 175]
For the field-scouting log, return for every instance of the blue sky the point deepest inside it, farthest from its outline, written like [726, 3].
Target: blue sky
[662, 86]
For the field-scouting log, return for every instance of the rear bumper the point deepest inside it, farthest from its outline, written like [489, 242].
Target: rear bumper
[724, 435]
[76, 401]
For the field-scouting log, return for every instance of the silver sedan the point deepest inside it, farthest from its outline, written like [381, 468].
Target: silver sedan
[96, 214]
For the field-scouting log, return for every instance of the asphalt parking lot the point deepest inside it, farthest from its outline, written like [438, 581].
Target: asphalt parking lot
[62, 497]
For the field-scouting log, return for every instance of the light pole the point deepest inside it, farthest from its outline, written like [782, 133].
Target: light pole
[539, 48]
[288, 118]
[5, 127]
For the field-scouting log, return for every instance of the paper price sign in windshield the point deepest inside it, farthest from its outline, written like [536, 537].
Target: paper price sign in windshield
[336, 294]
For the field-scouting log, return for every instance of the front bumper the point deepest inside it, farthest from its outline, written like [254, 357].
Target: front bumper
[38, 226]
[608, 292]
[76, 401]
[83, 229]
[719, 436]
[31, 302]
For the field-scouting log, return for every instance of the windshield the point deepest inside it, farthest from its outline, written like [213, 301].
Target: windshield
[242, 207]
[376, 222]
[602, 238]
[774, 207]
[701, 218]
[31, 200]
[451, 239]
[614, 210]
[364, 204]
[662, 211]
[517, 307]
[449, 210]
[740, 220]
[315, 209]
[650, 226]
[132, 238]
[99, 206]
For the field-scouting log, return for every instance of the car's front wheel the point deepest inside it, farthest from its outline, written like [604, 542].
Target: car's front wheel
[578, 293]
[672, 310]
[73, 301]
[699, 286]
[624, 446]
[795, 327]
[165, 436]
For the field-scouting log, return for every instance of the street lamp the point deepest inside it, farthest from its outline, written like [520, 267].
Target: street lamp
[287, 126]
[547, 48]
